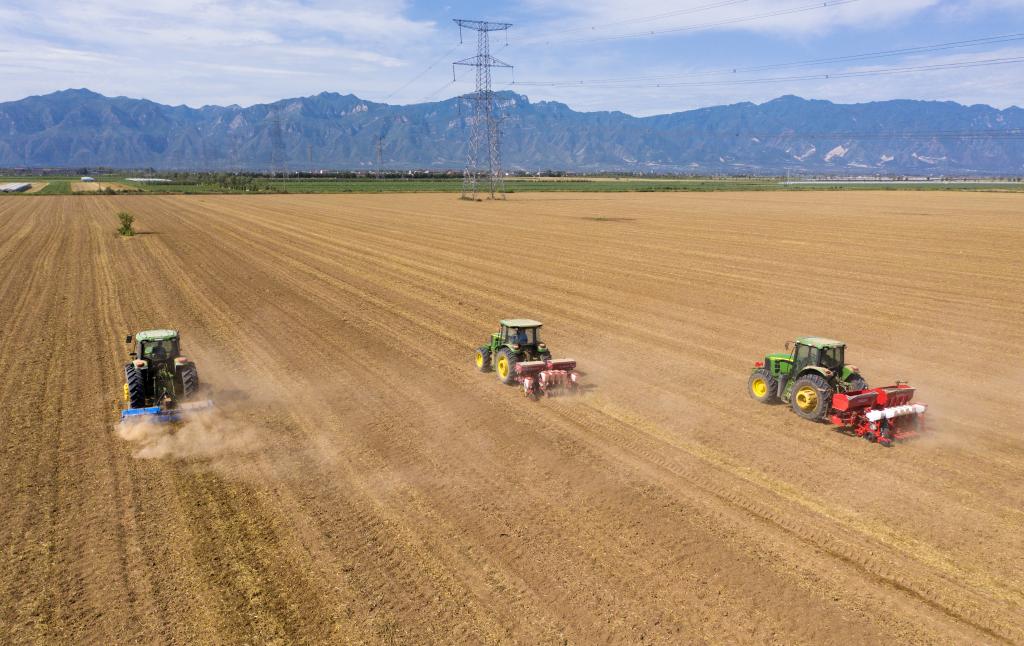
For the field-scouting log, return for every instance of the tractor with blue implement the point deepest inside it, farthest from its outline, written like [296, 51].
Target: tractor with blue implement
[160, 383]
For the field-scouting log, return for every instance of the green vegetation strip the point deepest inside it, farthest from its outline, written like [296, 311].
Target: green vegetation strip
[240, 184]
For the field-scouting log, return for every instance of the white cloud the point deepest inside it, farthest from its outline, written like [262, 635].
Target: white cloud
[212, 52]
[613, 18]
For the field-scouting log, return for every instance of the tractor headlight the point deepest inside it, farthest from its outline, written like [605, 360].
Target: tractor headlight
[515, 346]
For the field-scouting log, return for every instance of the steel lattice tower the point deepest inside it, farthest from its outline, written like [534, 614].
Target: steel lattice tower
[484, 158]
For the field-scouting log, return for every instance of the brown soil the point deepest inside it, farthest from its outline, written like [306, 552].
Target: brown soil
[36, 187]
[361, 482]
[92, 187]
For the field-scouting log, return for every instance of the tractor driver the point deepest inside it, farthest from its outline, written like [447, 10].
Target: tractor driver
[157, 353]
[519, 336]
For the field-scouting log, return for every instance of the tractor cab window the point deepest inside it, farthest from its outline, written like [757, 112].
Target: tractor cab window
[159, 350]
[802, 356]
[522, 336]
[832, 358]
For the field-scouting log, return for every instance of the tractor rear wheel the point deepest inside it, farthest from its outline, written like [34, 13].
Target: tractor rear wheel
[763, 387]
[135, 387]
[506, 366]
[483, 358]
[856, 382]
[189, 380]
[812, 397]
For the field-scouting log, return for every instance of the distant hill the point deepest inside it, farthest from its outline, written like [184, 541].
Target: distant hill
[79, 128]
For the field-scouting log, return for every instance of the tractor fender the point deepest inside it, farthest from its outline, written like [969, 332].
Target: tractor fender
[824, 372]
[851, 371]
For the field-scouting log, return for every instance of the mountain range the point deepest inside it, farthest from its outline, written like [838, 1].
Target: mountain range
[80, 128]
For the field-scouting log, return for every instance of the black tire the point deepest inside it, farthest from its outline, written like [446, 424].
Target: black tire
[189, 380]
[136, 386]
[508, 377]
[856, 382]
[815, 408]
[483, 358]
[763, 387]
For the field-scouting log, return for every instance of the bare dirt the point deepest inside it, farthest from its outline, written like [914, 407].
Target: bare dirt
[36, 187]
[361, 482]
[92, 187]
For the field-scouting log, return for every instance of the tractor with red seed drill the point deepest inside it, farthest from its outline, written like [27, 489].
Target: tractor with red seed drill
[819, 385]
[519, 357]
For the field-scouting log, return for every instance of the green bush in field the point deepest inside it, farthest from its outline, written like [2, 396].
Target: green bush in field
[126, 219]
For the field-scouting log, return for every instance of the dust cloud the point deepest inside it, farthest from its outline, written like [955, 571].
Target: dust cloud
[207, 434]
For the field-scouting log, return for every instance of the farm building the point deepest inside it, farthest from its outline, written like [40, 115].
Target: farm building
[16, 187]
[88, 179]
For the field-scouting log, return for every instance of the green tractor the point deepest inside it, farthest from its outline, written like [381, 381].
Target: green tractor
[159, 379]
[515, 341]
[806, 378]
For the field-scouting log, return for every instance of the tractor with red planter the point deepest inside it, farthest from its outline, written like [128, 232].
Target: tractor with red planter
[819, 385]
[519, 357]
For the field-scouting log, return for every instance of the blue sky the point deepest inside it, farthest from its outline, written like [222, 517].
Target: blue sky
[201, 52]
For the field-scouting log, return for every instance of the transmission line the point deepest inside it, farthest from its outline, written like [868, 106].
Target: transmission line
[420, 74]
[988, 40]
[778, 79]
[660, 16]
[707, 25]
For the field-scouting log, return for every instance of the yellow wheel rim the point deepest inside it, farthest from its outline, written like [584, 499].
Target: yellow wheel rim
[807, 398]
[502, 367]
[479, 359]
[759, 387]
[126, 396]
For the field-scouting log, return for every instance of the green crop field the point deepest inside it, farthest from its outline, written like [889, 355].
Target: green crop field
[211, 184]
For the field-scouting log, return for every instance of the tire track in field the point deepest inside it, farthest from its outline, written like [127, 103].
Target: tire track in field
[914, 550]
[402, 496]
[388, 333]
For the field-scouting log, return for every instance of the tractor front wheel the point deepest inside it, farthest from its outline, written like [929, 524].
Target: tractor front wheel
[483, 359]
[763, 387]
[812, 397]
[506, 366]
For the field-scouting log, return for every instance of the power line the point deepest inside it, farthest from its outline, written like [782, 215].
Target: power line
[707, 25]
[1007, 135]
[420, 74]
[659, 16]
[989, 40]
[778, 79]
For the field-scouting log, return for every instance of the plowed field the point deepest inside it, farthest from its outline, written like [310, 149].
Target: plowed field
[361, 482]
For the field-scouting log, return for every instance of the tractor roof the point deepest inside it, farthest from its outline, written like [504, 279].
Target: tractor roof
[156, 335]
[819, 342]
[520, 323]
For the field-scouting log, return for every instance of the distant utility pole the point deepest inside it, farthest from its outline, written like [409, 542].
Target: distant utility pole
[483, 165]
[277, 150]
[380, 158]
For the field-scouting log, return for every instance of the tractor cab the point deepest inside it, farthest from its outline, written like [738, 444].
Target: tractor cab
[520, 332]
[156, 345]
[816, 351]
